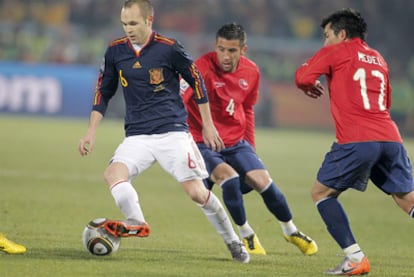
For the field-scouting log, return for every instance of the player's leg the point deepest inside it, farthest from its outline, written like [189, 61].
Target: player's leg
[215, 213]
[277, 204]
[274, 199]
[228, 180]
[124, 166]
[345, 166]
[124, 194]
[393, 174]
[10, 247]
[252, 169]
[245, 161]
[337, 223]
[179, 156]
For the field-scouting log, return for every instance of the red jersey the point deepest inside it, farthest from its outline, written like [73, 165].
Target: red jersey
[231, 95]
[359, 90]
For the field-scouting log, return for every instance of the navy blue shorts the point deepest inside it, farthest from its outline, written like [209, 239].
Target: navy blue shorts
[352, 165]
[241, 157]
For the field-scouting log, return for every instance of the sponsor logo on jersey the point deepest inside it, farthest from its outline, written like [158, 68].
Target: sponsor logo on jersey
[219, 84]
[137, 65]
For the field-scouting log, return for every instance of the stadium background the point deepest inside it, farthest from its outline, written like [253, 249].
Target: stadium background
[62, 43]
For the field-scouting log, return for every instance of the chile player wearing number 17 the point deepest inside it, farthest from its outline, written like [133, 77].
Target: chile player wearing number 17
[368, 143]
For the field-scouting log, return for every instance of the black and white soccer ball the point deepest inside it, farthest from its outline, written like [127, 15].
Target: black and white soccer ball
[97, 240]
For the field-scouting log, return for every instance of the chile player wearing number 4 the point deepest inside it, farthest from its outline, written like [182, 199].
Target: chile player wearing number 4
[369, 145]
[232, 83]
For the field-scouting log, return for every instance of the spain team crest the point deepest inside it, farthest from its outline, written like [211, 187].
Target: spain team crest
[156, 76]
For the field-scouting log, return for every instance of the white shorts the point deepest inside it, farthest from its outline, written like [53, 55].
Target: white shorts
[176, 152]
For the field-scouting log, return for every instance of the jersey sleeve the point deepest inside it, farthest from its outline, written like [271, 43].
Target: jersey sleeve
[248, 107]
[307, 74]
[106, 85]
[189, 72]
[194, 120]
[249, 132]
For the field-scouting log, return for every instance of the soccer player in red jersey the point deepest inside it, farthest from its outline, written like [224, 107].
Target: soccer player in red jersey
[148, 65]
[368, 144]
[232, 83]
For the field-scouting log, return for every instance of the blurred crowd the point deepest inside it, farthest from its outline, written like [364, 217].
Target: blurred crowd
[77, 31]
[281, 33]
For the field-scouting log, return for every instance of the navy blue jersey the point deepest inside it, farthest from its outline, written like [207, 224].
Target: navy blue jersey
[150, 83]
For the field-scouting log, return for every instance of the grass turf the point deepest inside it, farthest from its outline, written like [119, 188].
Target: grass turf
[48, 193]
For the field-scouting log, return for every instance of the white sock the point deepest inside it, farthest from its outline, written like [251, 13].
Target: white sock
[126, 198]
[245, 230]
[288, 228]
[217, 216]
[354, 253]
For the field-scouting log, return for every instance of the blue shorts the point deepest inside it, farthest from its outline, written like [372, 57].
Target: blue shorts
[352, 165]
[241, 157]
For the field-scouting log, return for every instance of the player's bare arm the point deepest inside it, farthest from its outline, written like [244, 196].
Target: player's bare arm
[87, 142]
[210, 135]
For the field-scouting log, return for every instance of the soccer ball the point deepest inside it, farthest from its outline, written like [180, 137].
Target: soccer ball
[97, 240]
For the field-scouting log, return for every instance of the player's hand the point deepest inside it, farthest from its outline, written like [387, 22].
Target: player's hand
[316, 91]
[85, 145]
[212, 139]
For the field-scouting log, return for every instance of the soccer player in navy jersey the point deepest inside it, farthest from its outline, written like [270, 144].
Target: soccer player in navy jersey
[232, 83]
[368, 143]
[148, 66]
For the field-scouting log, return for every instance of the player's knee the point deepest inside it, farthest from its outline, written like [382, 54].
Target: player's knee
[115, 172]
[196, 190]
[258, 179]
[320, 191]
[405, 201]
[222, 173]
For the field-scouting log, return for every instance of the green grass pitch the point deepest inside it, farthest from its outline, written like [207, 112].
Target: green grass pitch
[48, 193]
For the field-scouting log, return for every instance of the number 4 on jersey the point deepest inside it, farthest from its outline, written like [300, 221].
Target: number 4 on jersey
[230, 107]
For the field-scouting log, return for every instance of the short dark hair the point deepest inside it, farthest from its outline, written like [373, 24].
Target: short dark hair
[349, 20]
[146, 7]
[231, 31]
